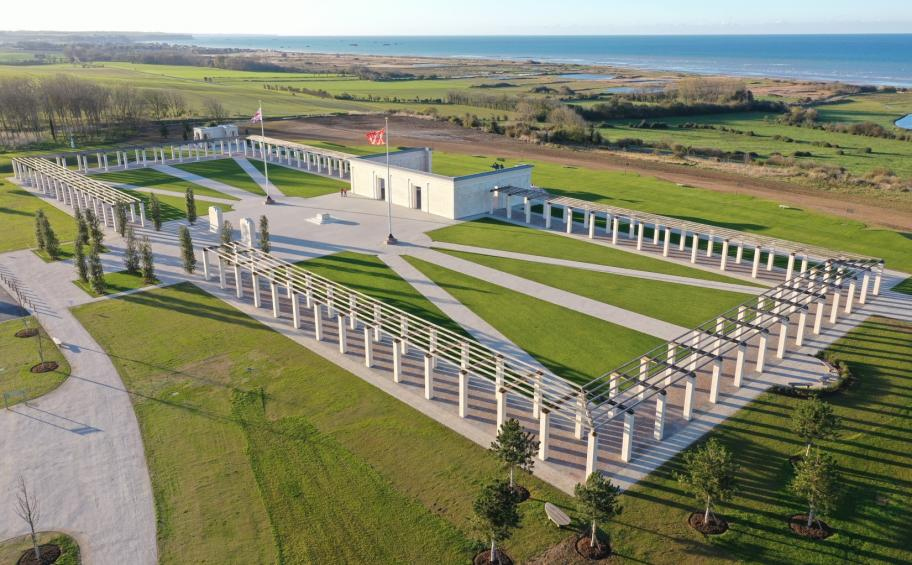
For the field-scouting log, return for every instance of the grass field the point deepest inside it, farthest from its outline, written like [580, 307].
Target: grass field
[679, 304]
[20, 355]
[871, 521]
[586, 347]
[11, 549]
[370, 275]
[17, 217]
[261, 451]
[120, 281]
[300, 184]
[223, 170]
[175, 207]
[150, 178]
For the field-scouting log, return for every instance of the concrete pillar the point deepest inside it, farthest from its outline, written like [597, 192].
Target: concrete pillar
[397, 360]
[695, 247]
[256, 288]
[378, 323]
[670, 359]
[783, 337]
[547, 213]
[724, 260]
[544, 434]
[770, 259]
[568, 218]
[221, 271]
[615, 225]
[739, 363]
[343, 335]
[710, 241]
[850, 297]
[591, 216]
[682, 240]
[429, 379]
[205, 264]
[536, 394]
[834, 310]
[658, 431]
[804, 264]
[592, 452]
[296, 310]
[790, 268]
[714, 382]
[739, 253]
[580, 414]
[627, 437]
[878, 277]
[239, 287]
[586, 218]
[501, 407]
[802, 322]
[644, 371]
[527, 208]
[761, 350]
[656, 228]
[865, 281]
[818, 316]
[640, 229]
[274, 296]
[690, 384]
[318, 321]
[667, 242]
[463, 392]
[631, 227]
[756, 267]
[404, 333]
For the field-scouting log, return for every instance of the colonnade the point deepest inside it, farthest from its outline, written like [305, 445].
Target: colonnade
[304, 157]
[153, 154]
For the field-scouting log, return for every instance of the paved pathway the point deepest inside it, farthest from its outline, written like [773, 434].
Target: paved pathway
[164, 192]
[203, 181]
[258, 177]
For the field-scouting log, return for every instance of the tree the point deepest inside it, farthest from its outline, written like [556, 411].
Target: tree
[120, 215]
[51, 243]
[191, 205]
[495, 510]
[79, 259]
[82, 228]
[27, 509]
[816, 480]
[226, 232]
[96, 272]
[264, 234]
[813, 420]
[215, 110]
[155, 212]
[709, 474]
[148, 267]
[597, 501]
[131, 253]
[515, 447]
[96, 236]
[39, 229]
[187, 257]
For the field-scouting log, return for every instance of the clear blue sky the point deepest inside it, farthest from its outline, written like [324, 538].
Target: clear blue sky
[464, 17]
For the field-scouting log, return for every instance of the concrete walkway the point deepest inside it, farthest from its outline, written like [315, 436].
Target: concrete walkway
[163, 192]
[238, 193]
[588, 306]
[258, 177]
[702, 283]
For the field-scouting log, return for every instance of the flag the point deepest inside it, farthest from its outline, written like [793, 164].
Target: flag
[376, 137]
[258, 117]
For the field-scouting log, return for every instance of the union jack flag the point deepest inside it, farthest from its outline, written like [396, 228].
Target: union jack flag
[377, 137]
[258, 117]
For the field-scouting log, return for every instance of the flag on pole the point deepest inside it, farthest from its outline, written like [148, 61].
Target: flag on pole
[377, 137]
[258, 117]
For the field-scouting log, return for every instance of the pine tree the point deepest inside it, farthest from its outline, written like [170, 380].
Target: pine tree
[39, 229]
[82, 228]
[226, 232]
[155, 212]
[191, 205]
[597, 502]
[515, 447]
[51, 243]
[131, 253]
[120, 215]
[496, 514]
[148, 266]
[96, 273]
[264, 234]
[96, 236]
[79, 259]
[187, 257]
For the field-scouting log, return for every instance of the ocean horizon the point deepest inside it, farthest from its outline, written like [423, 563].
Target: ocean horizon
[875, 59]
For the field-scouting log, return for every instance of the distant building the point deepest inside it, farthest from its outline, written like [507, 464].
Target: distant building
[215, 132]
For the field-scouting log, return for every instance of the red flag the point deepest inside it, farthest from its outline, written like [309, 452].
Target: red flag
[377, 137]
[258, 117]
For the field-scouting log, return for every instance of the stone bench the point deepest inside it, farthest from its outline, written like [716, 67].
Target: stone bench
[556, 515]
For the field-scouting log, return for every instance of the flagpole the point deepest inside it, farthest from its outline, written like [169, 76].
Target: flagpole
[390, 240]
[265, 156]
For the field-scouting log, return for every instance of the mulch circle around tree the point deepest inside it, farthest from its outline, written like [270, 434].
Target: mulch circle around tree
[522, 492]
[819, 530]
[500, 558]
[45, 367]
[31, 332]
[602, 550]
[49, 554]
[714, 527]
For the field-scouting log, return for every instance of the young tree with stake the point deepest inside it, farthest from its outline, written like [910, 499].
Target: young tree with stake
[814, 420]
[515, 447]
[27, 509]
[190, 202]
[148, 265]
[82, 228]
[155, 212]
[496, 513]
[96, 236]
[264, 234]
[709, 474]
[187, 257]
[79, 260]
[226, 232]
[96, 272]
[816, 480]
[597, 501]
[131, 253]
[39, 230]
[120, 214]
[51, 243]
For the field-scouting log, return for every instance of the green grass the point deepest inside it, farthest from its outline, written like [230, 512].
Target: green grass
[11, 549]
[151, 178]
[17, 217]
[243, 479]
[120, 281]
[223, 170]
[300, 184]
[370, 275]
[573, 345]
[679, 304]
[175, 207]
[494, 234]
[872, 518]
[21, 354]
[905, 286]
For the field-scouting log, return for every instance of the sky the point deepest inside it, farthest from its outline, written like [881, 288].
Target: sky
[464, 17]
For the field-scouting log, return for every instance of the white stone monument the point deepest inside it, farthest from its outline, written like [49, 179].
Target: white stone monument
[215, 219]
[248, 232]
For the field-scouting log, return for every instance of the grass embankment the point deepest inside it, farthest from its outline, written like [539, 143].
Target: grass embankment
[494, 234]
[226, 171]
[679, 304]
[19, 355]
[873, 517]
[151, 178]
[12, 549]
[321, 468]
[120, 281]
[300, 184]
[17, 217]
[573, 345]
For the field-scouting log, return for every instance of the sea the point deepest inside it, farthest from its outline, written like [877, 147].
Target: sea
[881, 59]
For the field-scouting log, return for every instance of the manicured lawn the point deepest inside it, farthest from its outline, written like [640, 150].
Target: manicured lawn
[575, 346]
[319, 467]
[679, 304]
[151, 178]
[872, 452]
[120, 281]
[11, 549]
[175, 207]
[21, 354]
[17, 218]
[370, 275]
[494, 234]
[300, 184]
[223, 170]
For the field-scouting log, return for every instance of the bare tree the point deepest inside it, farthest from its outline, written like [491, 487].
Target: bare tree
[214, 109]
[27, 509]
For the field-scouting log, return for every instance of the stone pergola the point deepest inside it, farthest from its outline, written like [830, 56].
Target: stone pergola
[304, 157]
[150, 154]
[77, 190]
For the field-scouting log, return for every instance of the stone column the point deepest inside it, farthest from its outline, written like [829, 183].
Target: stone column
[761, 350]
[580, 413]
[397, 360]
[714, 382]
[667, 243]
[591, 216]
[613, 385]
[547, 212]
[739, 363]
[429, 379]
[296, 310]
[256, 288]
[544, 434]
[710, 243]
[274, 293]
[834, 311]
[615, 225]
[463, 392]
[770, 259]
[670, 359]
[592, 451]
[343, 336]
[682, 240]
[756, 267]
[568, 219]
[205, 264]
[318, 321]
[790, 269]
[690, 384]
[627, 437]
[818, 316]
[739, 253]
[631, 227]
[368, 348]
[878, 277]
[536, 394]
[783, 337]
[378, 322]
[850, 297]
[527, 208]
[694, 247]
[640, 229]
[644, 371]
[724, 259]
[655, 233]
[658, 432]
[238, 282]
[221, 271]
[802, 322]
